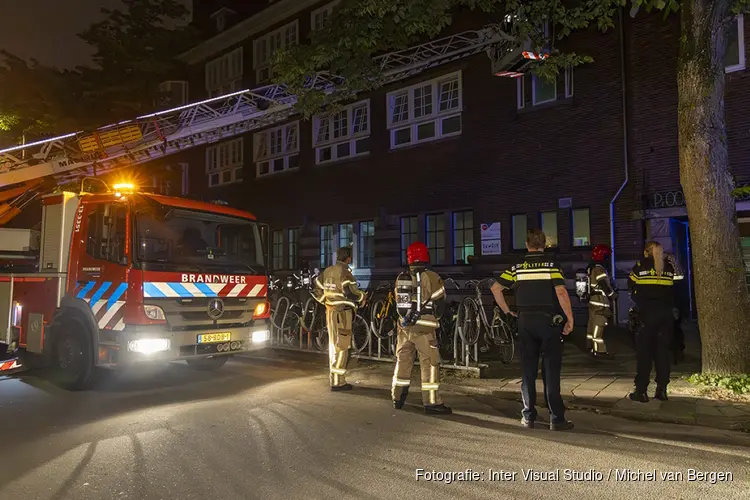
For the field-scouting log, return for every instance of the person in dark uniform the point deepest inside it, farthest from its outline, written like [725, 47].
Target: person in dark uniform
[651, 285]
[540, 294]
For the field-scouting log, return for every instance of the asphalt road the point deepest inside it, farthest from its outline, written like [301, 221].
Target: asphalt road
[260, 429]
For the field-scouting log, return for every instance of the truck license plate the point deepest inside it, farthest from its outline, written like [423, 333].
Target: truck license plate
[210, 338]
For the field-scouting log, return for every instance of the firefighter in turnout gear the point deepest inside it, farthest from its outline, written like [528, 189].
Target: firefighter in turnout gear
[337, 290]
[651, 286]
[601, 301]
[420, 299]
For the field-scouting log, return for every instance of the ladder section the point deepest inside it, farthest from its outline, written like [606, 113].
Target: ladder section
[163, 133]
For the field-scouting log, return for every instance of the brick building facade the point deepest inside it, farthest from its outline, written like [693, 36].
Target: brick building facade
[475, 149]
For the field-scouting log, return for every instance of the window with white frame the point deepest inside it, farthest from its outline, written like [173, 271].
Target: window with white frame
[319, 17]
[426, 111]
[224, 162]
[224, 74]
[292, 239]
[326, 246]
[266, 46]
[366, 255]
[278, 249]
[541, 90]
[277, 149]
[435, 233]
[346, 235]
[342, 134]
[409, 234]
[734, 59]
[463, 236]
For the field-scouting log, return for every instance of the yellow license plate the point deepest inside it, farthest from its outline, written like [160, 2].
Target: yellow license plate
[209, 338]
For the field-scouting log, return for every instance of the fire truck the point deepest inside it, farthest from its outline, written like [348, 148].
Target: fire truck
[117, 277]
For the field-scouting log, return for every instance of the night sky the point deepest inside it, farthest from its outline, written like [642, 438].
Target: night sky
[46, 29]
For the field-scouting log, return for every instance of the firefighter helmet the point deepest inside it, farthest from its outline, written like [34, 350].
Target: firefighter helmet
[417, 253]
[600, 253]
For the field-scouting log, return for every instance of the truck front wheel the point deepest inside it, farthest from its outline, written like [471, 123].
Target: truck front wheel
[207, 364]
[72, 359]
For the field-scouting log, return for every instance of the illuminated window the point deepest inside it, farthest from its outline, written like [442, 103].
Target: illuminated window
[519, 226]
[435, 232]
[463, 236]
[581, 227]
[366, 244]
[549, 226]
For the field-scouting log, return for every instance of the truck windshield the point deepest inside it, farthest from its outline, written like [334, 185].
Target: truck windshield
[201, 241]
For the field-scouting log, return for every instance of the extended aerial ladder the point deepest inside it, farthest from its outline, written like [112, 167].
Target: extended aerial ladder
[163, 133]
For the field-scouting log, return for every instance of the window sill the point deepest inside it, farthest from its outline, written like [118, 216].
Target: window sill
[274, 174]
[568, 101]
[445, 138]
[343, 160]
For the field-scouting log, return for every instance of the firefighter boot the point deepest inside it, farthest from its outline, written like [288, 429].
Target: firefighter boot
[399, 403]
[440, 409]
[339, 388]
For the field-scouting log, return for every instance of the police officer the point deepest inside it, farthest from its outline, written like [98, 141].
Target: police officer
[420, 300]
[337, 289]
[540, 293]
[651, 286]
[601, 301]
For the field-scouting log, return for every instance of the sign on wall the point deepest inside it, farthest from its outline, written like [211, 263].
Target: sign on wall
[491, 239]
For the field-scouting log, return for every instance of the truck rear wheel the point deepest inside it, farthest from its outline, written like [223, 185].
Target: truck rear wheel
[207, 364]
[72, 358]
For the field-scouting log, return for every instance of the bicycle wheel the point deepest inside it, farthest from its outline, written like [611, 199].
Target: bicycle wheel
[468, 321]
[290, 329]
[381, 323]
[502, 337]
[320, 332]
[310, 313]
[360, 334]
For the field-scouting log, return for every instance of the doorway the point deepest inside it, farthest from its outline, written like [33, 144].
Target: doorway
[685, 292]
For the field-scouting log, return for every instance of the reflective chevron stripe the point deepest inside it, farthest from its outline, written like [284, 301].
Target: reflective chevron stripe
[156, 289]
[106, 300]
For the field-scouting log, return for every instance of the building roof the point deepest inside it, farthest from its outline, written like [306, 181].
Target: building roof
[273, 14]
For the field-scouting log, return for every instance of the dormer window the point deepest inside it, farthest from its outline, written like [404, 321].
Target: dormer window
[221, 17]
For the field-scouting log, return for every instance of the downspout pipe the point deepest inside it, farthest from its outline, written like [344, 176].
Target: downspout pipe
[625, 144]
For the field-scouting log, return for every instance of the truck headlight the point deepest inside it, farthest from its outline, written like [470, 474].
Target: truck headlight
[154, 312]
[148, 346]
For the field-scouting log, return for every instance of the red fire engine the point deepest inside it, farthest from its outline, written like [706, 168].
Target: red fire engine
[122, 277]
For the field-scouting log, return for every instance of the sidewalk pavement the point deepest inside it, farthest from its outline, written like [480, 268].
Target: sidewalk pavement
[600, 386]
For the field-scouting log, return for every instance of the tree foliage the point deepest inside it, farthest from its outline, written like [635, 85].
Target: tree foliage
[135, 50]
[360, 30]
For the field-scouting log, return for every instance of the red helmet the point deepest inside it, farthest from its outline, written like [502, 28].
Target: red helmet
[600, 253]
[417, 253]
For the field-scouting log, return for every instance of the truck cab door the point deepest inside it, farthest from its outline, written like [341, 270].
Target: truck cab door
[101, 272]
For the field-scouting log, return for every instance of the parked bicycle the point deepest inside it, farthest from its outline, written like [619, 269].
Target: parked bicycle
[384, 317]
[473, 323]
[447, 330]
